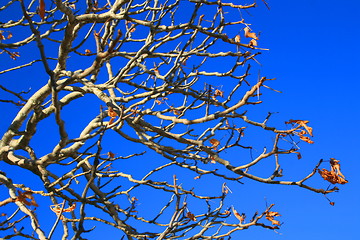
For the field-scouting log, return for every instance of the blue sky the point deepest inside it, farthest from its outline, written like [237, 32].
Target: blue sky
[314, 55]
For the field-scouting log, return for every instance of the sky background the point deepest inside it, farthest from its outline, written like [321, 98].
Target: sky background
[314, 55]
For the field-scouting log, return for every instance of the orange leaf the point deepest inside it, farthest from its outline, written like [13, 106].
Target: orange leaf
[303, 124]
[334, 176]
[111, 112]
[240, 217]
[335, 166]
[111, 155]
[270, 216]
[191, 216]
[253, 42]
[23, 196]
[160, 101]
[249, 34]
[227, 212]
[175, 111]
[42, 9]
[215, 143]
[57, 208]
[71, 208]
[237, 38]
[331, 177]
[306, 139]
[111, 120]
[273, 214]
[219, 93]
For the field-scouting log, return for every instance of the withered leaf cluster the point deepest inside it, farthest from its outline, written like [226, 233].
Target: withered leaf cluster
[271, 217]
[26, 198]
[334, 175]
[303, 131]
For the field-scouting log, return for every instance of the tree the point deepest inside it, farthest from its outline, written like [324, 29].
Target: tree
[170, 86]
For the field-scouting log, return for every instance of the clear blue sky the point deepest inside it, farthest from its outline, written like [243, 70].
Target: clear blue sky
[314, 55]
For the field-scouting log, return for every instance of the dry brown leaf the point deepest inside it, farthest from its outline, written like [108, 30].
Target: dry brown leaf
[57, 208]
[249, 34]
[219, 93]
[111, 112]
[237, 38]
[175, 111]
[335, 166]
[252, 43]
[2, 37]
[42, 9]
[71, 208]
[215, 143]
[23, 196]
[306, 139]
[111, 121]
[160, 101]
[334, 176]
[307, 128]
[191, 216]
[273, 214]
[273, 221]
[331, 176]
[227, 212]
[111, 154]
[240, 217]
[270, 216]
[302, 123]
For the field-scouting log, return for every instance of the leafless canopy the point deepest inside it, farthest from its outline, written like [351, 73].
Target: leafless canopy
[129, 91]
